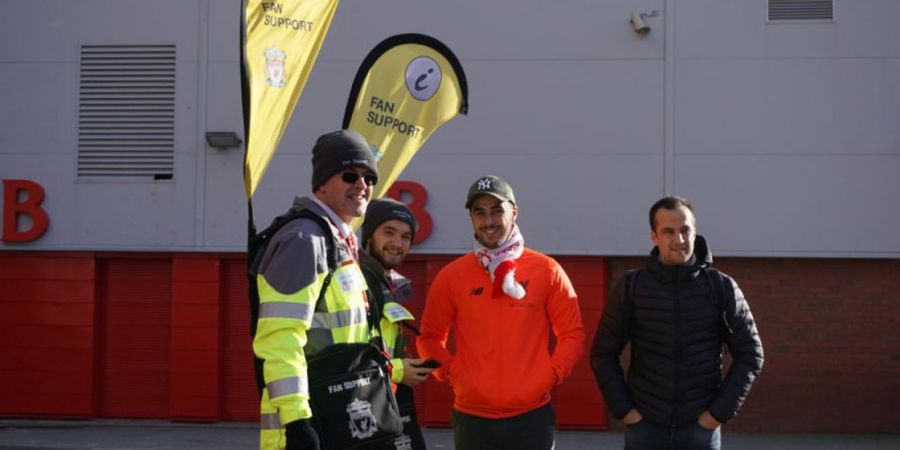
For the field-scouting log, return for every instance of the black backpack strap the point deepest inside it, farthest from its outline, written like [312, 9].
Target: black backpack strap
[263, 237]
[373, 282]
[256, 248]
[260, 242]
[333, 263]
[374, 306]
[630, 281]
[375, 325]
[411, 327]
[716, 282]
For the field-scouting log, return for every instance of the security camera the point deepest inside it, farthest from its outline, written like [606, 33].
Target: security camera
[637, 22]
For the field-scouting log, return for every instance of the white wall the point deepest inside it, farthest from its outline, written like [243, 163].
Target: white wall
[785, 136]
[39, 61]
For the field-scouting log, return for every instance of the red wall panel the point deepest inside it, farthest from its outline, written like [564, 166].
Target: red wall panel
[195, 338]
[577, 401]
[46, 334]
[134, 300]
[166, 336]
[42, 336]
[434, 399]
[239, 398]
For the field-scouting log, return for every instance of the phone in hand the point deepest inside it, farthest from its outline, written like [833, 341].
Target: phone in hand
[430, 363]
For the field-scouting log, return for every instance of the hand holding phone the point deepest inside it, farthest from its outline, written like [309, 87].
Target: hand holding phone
[430, 364]
[417, 370]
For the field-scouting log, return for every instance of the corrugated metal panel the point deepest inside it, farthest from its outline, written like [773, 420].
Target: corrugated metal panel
[46, 335]
[578, 402]
[134, 317]
[434, 400]
[126, 111]
[240, 400]
[801, 10]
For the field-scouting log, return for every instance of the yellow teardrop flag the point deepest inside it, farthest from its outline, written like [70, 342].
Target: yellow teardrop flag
[281, 41]
[407, 87]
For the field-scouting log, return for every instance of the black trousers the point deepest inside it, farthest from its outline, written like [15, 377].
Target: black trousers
[534, 430]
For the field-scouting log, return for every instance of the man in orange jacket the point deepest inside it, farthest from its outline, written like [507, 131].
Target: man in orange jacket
[502, 301]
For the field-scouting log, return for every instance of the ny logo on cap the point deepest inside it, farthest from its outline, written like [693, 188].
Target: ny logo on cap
[484, 184]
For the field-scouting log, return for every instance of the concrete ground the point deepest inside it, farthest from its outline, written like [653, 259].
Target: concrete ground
[16, 434]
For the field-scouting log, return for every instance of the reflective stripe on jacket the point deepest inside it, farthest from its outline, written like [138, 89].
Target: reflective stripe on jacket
[393, 337]
[293, 323]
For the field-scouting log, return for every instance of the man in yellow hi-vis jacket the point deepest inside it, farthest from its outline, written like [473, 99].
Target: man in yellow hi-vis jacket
[387, 234]
[295, 321]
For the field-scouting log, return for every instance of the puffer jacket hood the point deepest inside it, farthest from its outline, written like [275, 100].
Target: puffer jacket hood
[701, 259]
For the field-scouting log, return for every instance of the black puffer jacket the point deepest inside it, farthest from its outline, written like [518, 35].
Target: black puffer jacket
[676, 326]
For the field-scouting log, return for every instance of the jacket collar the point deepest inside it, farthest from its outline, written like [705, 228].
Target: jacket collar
[369, 261]
[399, 285]
[313, 204]
[701, 259]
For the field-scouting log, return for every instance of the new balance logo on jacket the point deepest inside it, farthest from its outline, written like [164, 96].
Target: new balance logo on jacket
[476, 291]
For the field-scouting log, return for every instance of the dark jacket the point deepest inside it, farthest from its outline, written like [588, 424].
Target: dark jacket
[380, 293]
[676, 325]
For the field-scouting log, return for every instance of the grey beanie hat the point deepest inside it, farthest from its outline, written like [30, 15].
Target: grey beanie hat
[380, 211]
[337, 151]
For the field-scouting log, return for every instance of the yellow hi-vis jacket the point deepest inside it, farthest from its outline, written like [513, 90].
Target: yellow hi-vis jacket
[393, 337]
[296, 322]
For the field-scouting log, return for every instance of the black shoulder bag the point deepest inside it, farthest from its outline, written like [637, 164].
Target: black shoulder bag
[350, 394]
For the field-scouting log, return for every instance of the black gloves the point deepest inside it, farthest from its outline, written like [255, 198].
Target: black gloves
[301, 435]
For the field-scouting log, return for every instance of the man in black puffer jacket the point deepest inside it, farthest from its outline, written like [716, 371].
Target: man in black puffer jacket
[677, 313]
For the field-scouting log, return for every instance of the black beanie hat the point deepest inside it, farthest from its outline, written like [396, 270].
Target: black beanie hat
[337, 151]
[380, 211]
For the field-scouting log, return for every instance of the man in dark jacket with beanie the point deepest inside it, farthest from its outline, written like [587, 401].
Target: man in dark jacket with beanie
[388, 231]
[677, 313]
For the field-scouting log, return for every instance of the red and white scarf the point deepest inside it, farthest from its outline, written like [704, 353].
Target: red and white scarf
[500, 263]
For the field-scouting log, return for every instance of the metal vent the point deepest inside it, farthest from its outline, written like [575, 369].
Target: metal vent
[126, 111]
[801, 10]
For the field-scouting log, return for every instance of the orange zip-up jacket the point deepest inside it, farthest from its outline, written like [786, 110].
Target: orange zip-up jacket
[502, 366]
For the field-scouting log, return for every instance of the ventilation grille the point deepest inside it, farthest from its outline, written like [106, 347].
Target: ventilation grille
[126, 111]
[801, 10]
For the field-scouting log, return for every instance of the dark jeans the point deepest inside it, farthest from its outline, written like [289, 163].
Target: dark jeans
[533, 430]
[648, 436]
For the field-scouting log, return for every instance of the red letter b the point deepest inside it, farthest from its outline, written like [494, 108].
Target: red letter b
[31, 206]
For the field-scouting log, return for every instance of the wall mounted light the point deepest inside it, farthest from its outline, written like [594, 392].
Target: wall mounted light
[222, 140]
[637, 22]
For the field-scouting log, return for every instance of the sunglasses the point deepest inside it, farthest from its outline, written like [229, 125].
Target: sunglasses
[352, 177]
